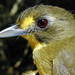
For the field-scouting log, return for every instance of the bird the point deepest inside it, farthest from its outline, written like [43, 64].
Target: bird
[50, 31]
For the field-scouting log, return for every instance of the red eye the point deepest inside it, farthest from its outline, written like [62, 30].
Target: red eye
[42, 23]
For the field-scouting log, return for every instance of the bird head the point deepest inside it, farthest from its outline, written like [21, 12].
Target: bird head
[42, 24]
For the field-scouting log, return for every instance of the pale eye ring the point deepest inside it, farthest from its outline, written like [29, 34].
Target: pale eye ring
[42, 23]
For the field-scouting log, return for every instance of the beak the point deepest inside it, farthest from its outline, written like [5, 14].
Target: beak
[12, 31]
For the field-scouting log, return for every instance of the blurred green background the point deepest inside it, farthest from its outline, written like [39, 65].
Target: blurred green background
[15, 53]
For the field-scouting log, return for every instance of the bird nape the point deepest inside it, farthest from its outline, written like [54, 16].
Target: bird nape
[50, 31]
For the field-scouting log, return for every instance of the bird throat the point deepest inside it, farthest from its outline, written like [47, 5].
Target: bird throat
[32, 40]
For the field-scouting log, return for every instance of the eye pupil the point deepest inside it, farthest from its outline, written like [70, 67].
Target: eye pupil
[42, 23]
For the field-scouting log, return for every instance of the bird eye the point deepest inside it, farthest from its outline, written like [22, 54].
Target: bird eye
[42, 23]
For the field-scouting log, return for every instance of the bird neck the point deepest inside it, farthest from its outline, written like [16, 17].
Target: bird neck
[32, 40]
